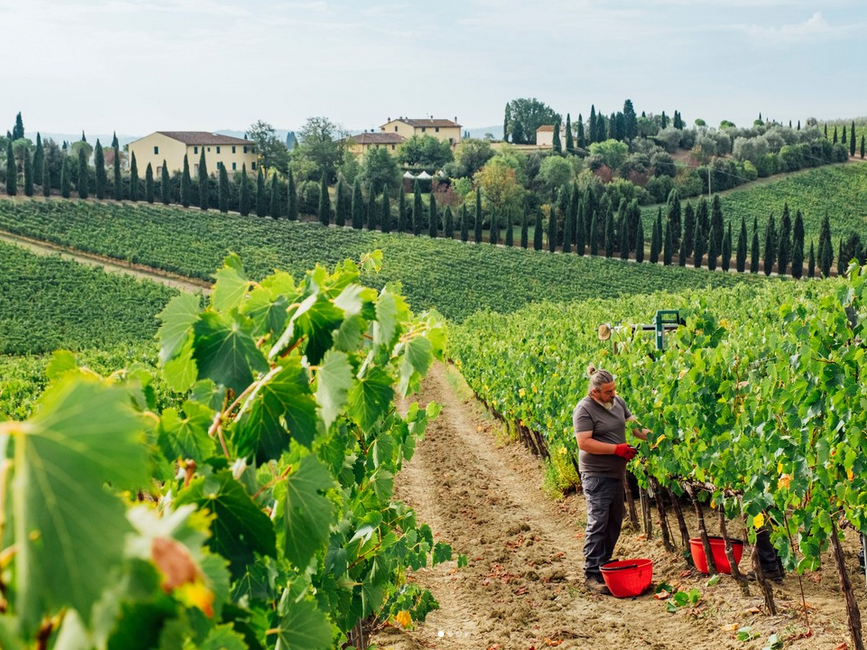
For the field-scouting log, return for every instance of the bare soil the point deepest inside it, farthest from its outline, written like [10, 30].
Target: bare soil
[524, 587]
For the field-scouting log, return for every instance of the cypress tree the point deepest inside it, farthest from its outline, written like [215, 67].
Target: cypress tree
[165, 185]
[465, 225]
[754, 247]
[18, 129]
[844, 139]
[568, 228]
[401, 210]
[494, 230]
[99, 170]
[83, 176]
[537, 231]
[852, 140]
[699, 242]
[28, 173]
[244, 192]
[11, 170]
[357, 206]
[118, 178]
[639, 242]
[525, 228]
[340, 203]
[149, 184]
[39, 159]
[798, 246]
[674, 214]
[717, 226]
[656, 238]
[575, 214]
[449, 223]
[835, 135]
[610, 233]
[291, 198]
[372, 208]
[478, 222]
[275, 199]
[187, 185]
[594, 235]
[385, 215]
[811, 263]
[688, 228]
[557, 145]
[741, 261]
[826, 253]
[702, 215]
[592, 128]
[510, 230]
[826, 130]
[133, 179]
[727, 249]
[262, 195]
[784, 242]
[681, 253]
[668, 244]
[203, 184]
[582, 141]
[417, 214]
[624, 240]
[65, 189]
[862, 147]
[770, 246]
[552, 229]
[324, 211]
[570, 144]
[224, 189]
[433, 217]
[46, 178]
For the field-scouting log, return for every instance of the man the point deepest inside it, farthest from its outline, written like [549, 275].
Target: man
[600, 422]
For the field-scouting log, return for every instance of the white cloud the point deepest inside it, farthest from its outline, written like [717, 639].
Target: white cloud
[816, 28]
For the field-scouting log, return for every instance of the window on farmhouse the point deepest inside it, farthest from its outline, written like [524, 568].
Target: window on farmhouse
[233, 149]
[245, 148]
[195, 150]
[252, 165]
[234, 166]
[218, 149]
[156, 150]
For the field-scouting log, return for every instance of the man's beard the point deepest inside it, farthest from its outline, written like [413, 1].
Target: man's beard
[607, 405]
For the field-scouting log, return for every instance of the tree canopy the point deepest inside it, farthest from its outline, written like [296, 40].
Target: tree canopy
[523, 117]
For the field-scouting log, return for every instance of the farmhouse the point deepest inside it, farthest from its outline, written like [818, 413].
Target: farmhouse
[443, 130]
[363, 142]
[545, 136]
[171, 146]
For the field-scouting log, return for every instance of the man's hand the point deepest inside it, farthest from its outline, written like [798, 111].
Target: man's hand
[625, 451]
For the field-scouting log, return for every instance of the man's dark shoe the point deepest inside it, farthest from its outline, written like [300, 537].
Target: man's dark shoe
[596, 585]
[774, 574]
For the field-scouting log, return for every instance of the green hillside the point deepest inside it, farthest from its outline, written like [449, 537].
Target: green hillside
[456, 278]
[838, 190]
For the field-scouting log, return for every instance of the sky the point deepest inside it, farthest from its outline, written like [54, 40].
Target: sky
[138, 66]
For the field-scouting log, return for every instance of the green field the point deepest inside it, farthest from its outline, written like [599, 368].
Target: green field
[840, 191]
[456, 278]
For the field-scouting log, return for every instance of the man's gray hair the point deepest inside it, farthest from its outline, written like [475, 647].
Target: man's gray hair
[597, 378]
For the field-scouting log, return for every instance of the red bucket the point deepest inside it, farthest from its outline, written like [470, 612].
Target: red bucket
[627, 578]
[718, 550]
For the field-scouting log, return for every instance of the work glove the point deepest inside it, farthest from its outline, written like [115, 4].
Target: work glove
[625, 451]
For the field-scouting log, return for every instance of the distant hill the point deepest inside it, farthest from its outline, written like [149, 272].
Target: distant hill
[480, 131]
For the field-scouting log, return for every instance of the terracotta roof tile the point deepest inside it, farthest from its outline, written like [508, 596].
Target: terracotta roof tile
[203, 138]
[426, 122]
[377, 138]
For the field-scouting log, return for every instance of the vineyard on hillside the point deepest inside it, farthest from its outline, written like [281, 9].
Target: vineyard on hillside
[757, 401]
[455, 278]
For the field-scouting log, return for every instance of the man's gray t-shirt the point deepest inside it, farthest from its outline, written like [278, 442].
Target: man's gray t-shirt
[607, 426]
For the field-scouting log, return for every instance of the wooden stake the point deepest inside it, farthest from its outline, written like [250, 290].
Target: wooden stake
[645, 512]
[730, 554]
[681, 524]
[854, 614]
[702, 529]
[663, 521]
[630, 504]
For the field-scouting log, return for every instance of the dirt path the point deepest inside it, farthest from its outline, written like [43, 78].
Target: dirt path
[107, 264]
[523, 587]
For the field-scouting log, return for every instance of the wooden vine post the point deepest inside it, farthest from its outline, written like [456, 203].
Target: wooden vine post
[663, 521]
[630, 504]
[730, 554]
[705, 542]
[681, 524]
[854, 614]
[645, 512]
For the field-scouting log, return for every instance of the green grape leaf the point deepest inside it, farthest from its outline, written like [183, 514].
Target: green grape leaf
[62, 361]
[333, 382]
[281, 405]
[370, 398]
[178, 317]
[69, 529]
[307, 514]
[303, 627]
[224, 350]
[417, 359]
[385, 328]
[180, 371]
[8, 638]
[268, 312]
[231, 285]
[239, 529]
[350, 336]
[318, 324]
[181, 437]
[223, 637]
